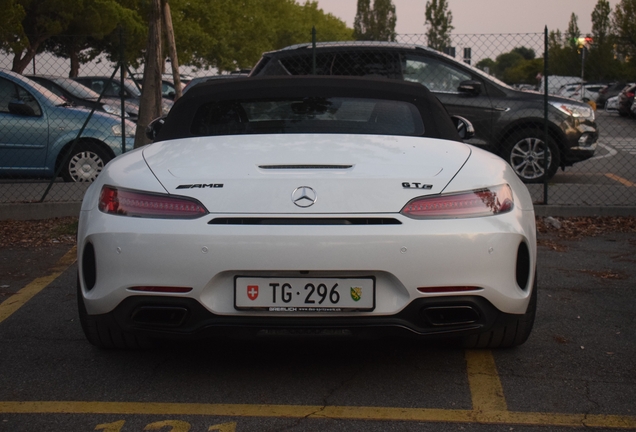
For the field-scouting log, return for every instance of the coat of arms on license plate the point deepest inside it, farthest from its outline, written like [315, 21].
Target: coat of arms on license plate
[252, 292]
[356, 293]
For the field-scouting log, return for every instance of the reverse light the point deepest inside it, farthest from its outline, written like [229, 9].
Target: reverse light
[481, 202]
[125, 202]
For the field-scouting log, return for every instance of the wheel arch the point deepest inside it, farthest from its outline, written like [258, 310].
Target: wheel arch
[82, 140]
[557, 135]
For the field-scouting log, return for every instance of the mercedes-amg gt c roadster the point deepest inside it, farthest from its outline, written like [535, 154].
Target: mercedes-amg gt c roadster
[332, 206]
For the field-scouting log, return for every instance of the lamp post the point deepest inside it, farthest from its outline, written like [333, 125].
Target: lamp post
[583, 43]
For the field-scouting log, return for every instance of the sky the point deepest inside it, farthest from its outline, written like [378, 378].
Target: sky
[483, 16]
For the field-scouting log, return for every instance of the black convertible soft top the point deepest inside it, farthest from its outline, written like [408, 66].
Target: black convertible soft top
[180, 122]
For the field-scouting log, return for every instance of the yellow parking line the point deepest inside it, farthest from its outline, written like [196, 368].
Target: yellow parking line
[17, 300]
[316, 411]
[620, 180]
[485, 387]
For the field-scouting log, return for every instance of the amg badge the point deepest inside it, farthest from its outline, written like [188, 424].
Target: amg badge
[200, 186]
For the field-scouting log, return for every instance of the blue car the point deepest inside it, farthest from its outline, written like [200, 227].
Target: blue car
[37, 130]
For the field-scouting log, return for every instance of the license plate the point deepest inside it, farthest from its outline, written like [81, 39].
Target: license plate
[304, 294]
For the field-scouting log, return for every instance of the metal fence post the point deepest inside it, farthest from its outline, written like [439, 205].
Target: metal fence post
[313, 50]
[545, 115]
[123, 102]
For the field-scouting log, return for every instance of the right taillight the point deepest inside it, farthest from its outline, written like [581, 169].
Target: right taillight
[481, 202]
[126, 202]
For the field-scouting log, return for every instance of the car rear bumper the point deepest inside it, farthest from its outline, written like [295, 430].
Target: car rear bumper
[122, 253]
[185, 318]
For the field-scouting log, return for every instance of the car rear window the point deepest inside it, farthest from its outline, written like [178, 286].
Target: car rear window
[308, 115]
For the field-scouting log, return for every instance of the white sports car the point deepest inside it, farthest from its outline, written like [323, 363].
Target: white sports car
[307, 206]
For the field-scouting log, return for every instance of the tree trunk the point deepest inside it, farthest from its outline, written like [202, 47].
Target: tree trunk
[150, 104]
[20, 63]
[172, 49]
[75, 64]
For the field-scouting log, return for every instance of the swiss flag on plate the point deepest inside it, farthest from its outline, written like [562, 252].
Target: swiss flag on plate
[252, 292]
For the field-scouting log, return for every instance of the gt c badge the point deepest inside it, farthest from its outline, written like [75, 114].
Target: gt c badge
[304, 196]
[413, 185]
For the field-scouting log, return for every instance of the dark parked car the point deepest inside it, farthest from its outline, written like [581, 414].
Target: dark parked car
[507, 121]
[129, 90]
[609, 91]
[626, 100]
[74, 92]
[201, 79]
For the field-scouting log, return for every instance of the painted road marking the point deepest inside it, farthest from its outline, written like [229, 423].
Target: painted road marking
[16, 301]
[620, 180]
[322, 412]
[485, 387]
[489, 403]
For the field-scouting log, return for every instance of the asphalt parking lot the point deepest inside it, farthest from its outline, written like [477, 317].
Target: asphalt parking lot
[577, 370]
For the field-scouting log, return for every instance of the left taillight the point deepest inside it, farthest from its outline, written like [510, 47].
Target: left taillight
[126, 202]
[481, 202]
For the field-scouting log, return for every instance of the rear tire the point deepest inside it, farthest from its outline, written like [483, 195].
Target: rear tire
[104, 332]
[512, 334]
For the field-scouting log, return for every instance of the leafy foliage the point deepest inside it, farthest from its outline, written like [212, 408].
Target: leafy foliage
[377, 23]
[222, 34]
[625, 27]
[439, 22]
[515, 67]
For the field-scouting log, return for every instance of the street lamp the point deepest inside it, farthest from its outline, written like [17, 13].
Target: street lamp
[583, 43]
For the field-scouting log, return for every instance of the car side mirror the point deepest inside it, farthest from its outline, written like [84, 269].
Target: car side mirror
[465, 128]
[152, 130]
[470, 87]
[20, 108]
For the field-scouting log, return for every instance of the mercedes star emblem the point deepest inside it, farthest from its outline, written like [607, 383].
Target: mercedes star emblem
[304, 196]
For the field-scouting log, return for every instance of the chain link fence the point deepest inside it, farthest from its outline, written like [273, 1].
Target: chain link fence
[569, 152]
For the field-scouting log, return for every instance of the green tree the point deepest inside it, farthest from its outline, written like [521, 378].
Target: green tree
[573, 33]
[232, 34]
[523, 72]
[439, 22]
[625, 27]
[487, 65]
[506, 61]
[601, 60]
[11, 23]
[377, 23]
[92, 21]
[526, 53]
[362, 22]
[42, 20]
[384, 20]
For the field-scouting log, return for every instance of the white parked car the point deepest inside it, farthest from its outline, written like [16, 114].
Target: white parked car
[307, 205]
[611, 105]
[585, 92]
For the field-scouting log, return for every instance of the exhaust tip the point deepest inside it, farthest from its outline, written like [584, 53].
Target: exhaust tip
[450, 315]
[159, 316]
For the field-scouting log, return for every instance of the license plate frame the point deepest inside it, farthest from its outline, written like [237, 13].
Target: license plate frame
[271, 292]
